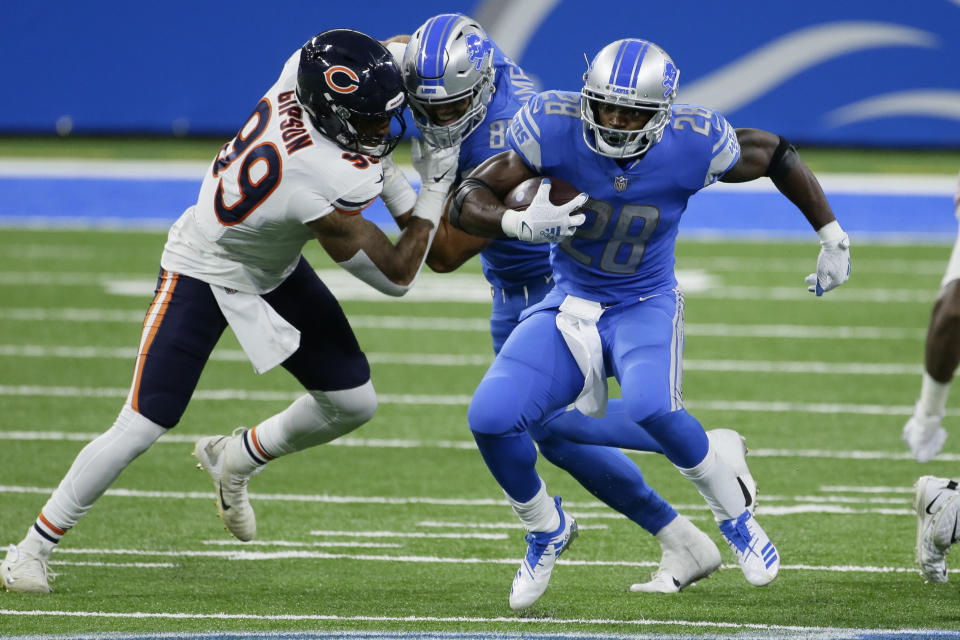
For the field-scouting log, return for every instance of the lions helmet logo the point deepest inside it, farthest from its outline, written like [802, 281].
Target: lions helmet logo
[342, 79]
[477, 49]
[669, 78]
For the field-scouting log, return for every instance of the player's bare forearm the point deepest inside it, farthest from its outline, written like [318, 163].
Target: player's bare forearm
[452, 247]
[343, 236]
[482, 208]
[790, 174]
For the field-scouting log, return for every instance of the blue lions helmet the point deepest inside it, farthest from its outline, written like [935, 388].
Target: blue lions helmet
[634, 74]
[350, 86]
[448, 72]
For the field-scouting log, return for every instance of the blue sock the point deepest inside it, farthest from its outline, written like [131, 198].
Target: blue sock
[512, 459]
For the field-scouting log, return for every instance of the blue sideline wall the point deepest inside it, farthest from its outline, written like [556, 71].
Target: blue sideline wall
[852, 73]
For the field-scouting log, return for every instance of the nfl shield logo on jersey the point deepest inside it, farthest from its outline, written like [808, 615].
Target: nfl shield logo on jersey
[620, 183]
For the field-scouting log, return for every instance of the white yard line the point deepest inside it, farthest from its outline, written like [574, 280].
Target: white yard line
[408, 323]
[784, 632]
[293, 543]
[409, 534]
[455, 399]
[469, 445]
[119, 565]
[473, 288]
[486, 525]
[252, 556]
[589, 511]
[479, 360]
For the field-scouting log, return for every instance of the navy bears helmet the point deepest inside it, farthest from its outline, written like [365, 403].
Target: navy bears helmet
[350, 86]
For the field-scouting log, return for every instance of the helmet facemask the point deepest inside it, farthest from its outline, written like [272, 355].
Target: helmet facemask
[346, 127]
[621, 143]
[453, 133]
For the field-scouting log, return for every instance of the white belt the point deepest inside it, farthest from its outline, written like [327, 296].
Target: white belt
[577, 322]
[265, 336]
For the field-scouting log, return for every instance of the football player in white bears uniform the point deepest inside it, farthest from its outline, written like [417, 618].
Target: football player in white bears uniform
[305, 164]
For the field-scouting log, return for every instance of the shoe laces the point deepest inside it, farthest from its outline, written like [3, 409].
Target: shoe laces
[538, 545]
[738, 533]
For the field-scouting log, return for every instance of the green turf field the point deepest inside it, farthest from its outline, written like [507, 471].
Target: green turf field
[400, 526]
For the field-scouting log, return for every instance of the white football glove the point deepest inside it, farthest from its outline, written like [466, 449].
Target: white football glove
[437, 166]
[438, 169]
[544, 221]
[397, 193]
[833, 263]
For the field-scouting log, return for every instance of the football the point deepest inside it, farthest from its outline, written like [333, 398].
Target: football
[561, 192]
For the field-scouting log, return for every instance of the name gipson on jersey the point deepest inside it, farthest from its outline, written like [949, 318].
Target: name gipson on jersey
[295, 136]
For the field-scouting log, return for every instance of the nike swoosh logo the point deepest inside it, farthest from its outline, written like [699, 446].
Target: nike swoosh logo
[746, 494]
[223, 502]
[440, 177]
[931, 504]
[380, 180]
[956, 531]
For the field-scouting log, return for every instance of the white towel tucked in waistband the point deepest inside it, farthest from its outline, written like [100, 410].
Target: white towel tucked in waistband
[265, 336]
[577, 322]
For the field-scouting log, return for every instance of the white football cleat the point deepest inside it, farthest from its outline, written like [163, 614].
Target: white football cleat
[26, 572]
[732, 448]
[758, 558]
[936, 502]
[543, 549]
[688, 555]
[924, 435]
[216, 453]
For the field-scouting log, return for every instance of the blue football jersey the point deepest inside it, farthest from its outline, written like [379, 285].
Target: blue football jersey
[506, 263]
[625, 249]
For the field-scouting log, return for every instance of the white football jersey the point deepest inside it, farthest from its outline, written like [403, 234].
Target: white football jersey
[248, 227]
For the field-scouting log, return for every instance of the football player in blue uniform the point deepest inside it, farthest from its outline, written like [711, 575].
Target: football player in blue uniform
[616, 309]
[464, 91]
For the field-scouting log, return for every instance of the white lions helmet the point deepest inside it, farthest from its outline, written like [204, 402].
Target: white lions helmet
[630, 73]
[448, 71]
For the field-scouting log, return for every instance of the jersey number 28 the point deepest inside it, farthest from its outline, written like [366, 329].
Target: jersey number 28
[624, 250]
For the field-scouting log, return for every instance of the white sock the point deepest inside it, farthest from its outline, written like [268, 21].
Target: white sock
[35, 544]
[717, 483]
[933, 396]
[316, 418]
[539, 513]
[97, 465]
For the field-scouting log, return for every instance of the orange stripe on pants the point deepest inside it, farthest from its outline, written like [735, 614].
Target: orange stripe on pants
[151, 324]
